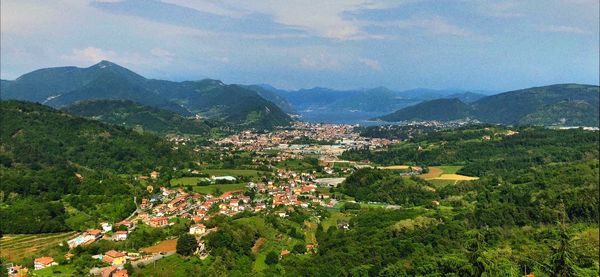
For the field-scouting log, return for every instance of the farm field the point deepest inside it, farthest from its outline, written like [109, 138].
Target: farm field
[446, 172]
[15, 247]
[456, 177]
[163, 246]
[395, 167]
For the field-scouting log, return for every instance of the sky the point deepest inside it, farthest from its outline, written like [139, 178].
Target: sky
[291, 44]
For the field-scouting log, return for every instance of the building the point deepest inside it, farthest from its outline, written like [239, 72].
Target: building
[120, 235]
[197, 229]
[154, 174]
[106, 227]
[43, 262]
[114, 257]
[159, 221]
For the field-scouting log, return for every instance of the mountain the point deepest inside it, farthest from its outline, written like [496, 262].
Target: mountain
[562, 104]
[131, 114]
[511, 107]
[114, 86]
[63, 86]
[448, 109]
[269, 95]
[467, 97]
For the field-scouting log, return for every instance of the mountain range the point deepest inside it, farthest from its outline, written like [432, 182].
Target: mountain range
[560, 105]
[62, 86]
[264, 106]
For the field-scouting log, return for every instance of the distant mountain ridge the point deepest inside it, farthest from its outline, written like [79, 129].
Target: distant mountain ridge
[561, 105]
[62, 86]
[376, 100]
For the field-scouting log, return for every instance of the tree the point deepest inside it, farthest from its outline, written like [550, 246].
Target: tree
[186, 245]
[299, 248]
[272, 258]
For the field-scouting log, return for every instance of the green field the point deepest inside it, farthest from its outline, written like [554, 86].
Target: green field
[15, 247]
[58, 270]
[332, 220]
[233, 172]
[186, 181]
[272, 242]
[222, 187]
[450, 169]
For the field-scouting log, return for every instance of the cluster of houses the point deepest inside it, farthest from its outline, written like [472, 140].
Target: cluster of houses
[340, 137]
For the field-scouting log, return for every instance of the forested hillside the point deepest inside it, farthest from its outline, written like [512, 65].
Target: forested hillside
[131, 114]
[42, 150]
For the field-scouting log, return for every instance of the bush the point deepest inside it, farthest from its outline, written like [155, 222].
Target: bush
[272, 258]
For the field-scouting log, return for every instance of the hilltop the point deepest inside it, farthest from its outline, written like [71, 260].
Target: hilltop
[62, 86]
[560, 105]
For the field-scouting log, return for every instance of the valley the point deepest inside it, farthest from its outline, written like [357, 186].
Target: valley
[291, 200]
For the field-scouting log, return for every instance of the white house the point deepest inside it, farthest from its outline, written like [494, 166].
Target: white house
[197, 229]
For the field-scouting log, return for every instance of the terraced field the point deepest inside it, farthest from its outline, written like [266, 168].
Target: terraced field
[15, 247]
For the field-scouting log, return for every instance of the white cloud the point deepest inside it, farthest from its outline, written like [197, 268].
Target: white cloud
[435, 25]
[320, 18]
[563, 29]
[320, 61]
[371, 63]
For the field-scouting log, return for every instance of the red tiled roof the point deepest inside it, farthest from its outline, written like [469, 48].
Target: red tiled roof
[46, 260]
[114, 254]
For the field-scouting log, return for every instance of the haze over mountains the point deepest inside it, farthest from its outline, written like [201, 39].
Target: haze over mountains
[142, 101]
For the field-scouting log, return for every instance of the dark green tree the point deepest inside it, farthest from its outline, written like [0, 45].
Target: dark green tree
[186, 245]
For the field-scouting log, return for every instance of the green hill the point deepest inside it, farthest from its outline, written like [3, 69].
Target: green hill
[131, 114]
[63, 86]
[446, 109]
[42, 149]
[559, 105]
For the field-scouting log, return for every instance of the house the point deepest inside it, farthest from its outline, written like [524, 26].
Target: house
[93, 234]
[106, 227]
[120, 235]
[114, 257]
[159, 221]
[125, 223]
[284, 252]
[197, 229]
[154, 174]
[43, 262]
[113, 271]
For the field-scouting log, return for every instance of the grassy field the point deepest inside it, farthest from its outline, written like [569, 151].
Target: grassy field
[15, 247]
[174, 265]
[395, 167]
[233, 172]
[222, 187]
[456, 177]
[192, 181]
[450, 169]
[332, 220]
[270, 240]
[295, 164]
[447, 173]
[58, 270]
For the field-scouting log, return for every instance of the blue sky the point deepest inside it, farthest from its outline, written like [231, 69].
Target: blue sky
[467, 44]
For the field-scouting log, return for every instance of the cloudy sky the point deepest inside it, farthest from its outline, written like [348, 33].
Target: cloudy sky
[401, 44]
